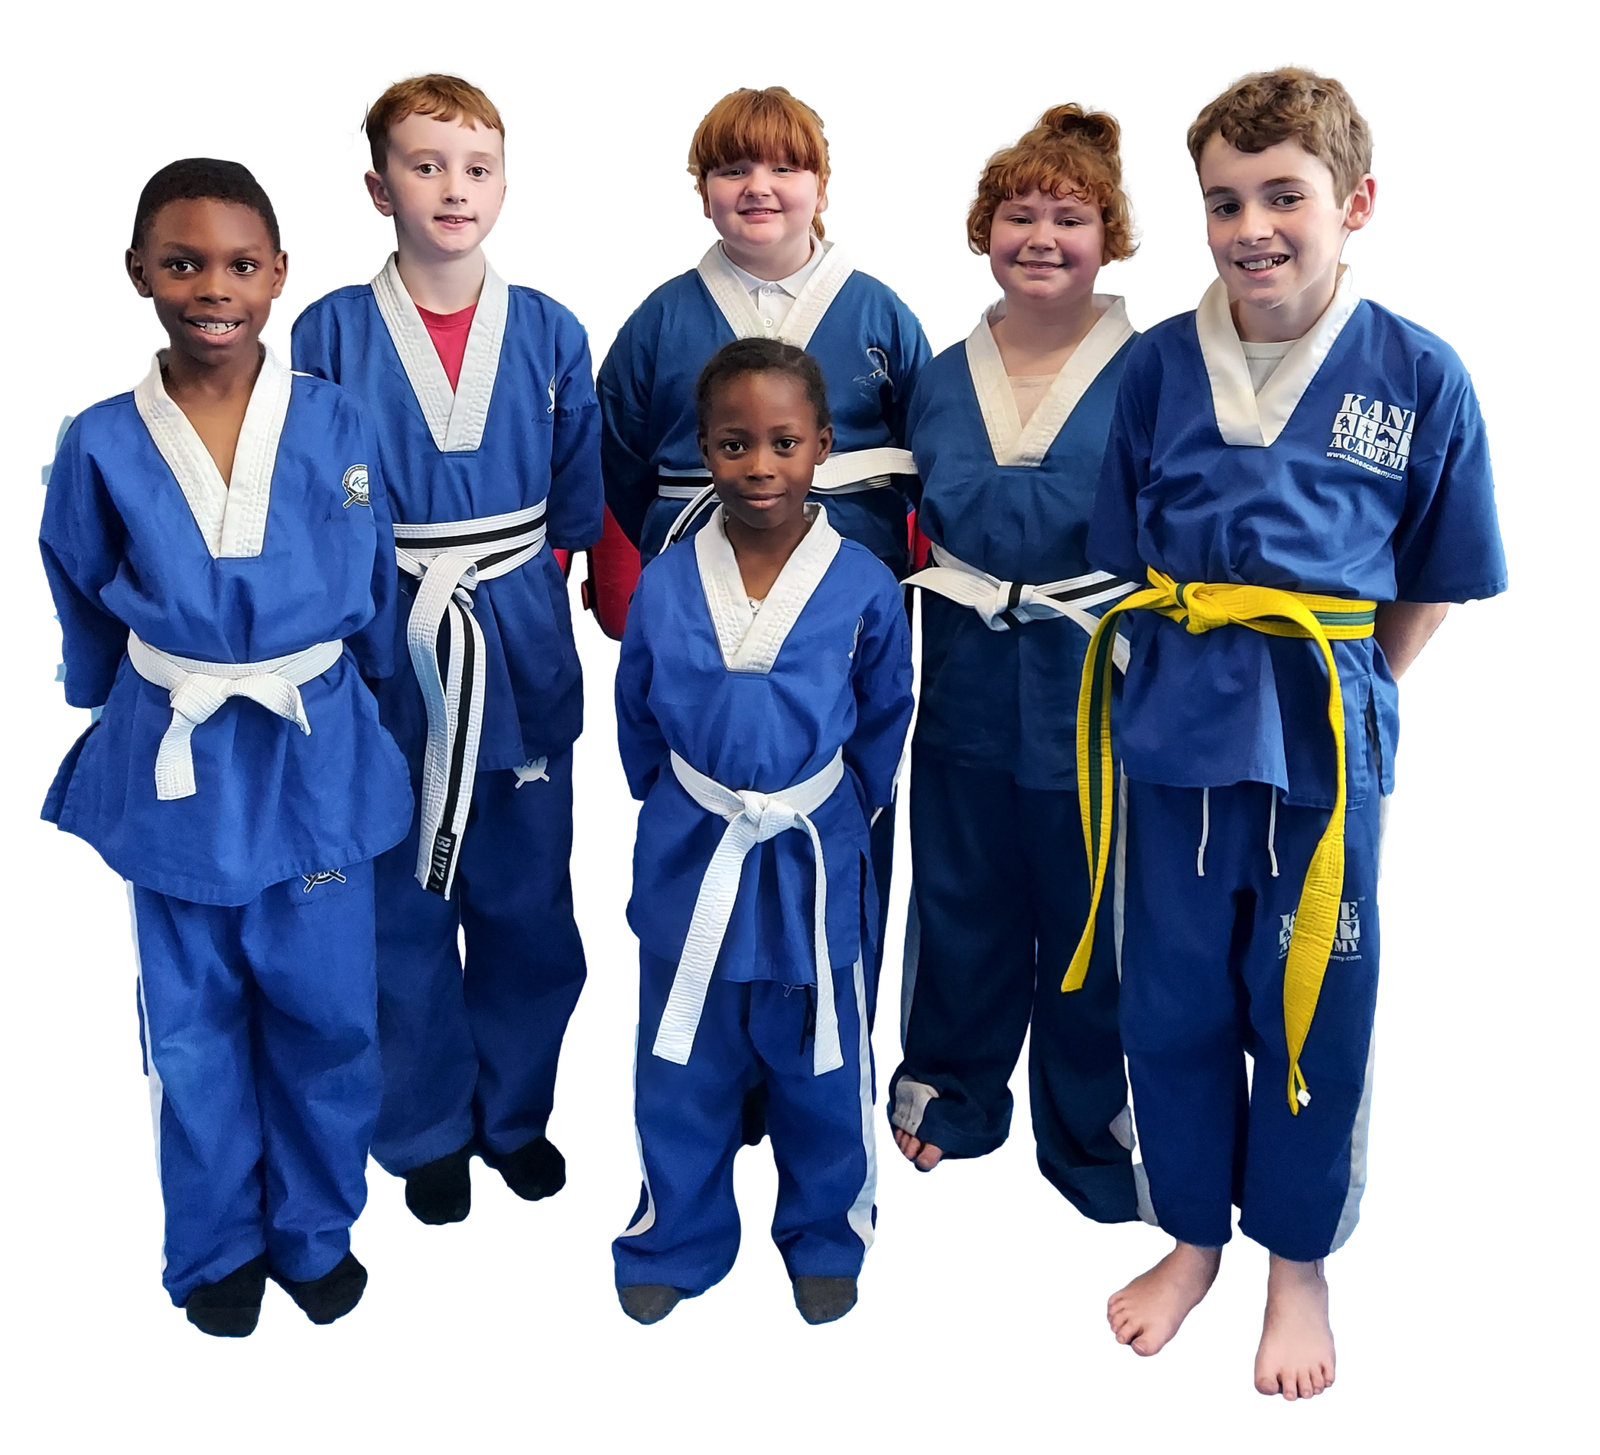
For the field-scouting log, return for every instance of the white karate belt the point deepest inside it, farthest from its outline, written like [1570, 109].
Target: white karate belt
[197, 689]
[852, 473]
[1004, 605]
[753, 818]
[450, 558]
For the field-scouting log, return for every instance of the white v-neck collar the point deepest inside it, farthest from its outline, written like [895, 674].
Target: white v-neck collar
[750, 640]
[731, 297]
[1011, 442]
[455, 417]
[232, 517]
[1243, 416]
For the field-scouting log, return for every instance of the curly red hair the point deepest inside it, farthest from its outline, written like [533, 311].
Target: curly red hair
[1070, 152]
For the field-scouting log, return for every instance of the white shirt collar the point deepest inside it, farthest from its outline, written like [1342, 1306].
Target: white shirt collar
[790, 285]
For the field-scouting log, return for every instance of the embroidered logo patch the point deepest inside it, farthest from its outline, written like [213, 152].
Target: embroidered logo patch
[322, 876]
[1373, 435]
[552, 406]
[878, 375]
[356, 489]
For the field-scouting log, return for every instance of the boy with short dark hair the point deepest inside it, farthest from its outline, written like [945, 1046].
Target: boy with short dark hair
[218, 546]
[488, 427]
[1303, 478]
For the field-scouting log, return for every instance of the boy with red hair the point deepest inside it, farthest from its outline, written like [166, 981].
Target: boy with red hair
[488, 425]
[1303, 479]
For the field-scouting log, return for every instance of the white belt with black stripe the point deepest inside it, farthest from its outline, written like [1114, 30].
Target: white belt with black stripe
[1005, 605]
[752, 819]
[852, 472]
[450, 558]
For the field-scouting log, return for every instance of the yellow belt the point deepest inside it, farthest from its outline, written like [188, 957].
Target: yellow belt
[1202, 607]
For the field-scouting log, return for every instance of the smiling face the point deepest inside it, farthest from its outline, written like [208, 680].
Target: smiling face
[1046, 250]
[443, 182]
[764, 212]
[213, 272]
[762, 446]
[1276, 228]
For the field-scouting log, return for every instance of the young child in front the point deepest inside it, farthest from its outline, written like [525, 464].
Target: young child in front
[1302, 477]
[763, 697]
[1008, 430]
[217, 543]
[489, 431]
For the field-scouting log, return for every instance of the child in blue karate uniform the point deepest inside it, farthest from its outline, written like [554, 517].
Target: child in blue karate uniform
[763, 697]
[219, 550]
[1008, 430]
[489, 433]
[760, 163]
[1301, 480]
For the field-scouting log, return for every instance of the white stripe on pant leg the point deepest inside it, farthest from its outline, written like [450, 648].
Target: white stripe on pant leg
[908, 964]
[1351, 1212]
[647, 1219]
[1127, 1138]
[860, 1215]
[151, 1074]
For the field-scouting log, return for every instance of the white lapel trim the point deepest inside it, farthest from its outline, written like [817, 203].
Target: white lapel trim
[750, 640]
[1243, 416]
[232, 518]
[455, 418]
[1011, 443]
[736, 305]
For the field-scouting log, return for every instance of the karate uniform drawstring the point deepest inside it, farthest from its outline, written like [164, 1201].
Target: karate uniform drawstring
[1205, 832]
[1272, 834]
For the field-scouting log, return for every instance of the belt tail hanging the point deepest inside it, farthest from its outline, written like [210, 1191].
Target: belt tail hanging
[454, 702]
[450, 559]
[1096, 770]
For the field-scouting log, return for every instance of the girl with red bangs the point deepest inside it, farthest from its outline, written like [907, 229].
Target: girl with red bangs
[760, 164]
[1008, 430]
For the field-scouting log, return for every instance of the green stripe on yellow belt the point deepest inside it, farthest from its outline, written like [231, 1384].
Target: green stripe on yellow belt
[1201, 607]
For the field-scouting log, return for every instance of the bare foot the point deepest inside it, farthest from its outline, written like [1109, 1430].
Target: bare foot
[924, 1154]
[1296, 1354]
[1151, 1309]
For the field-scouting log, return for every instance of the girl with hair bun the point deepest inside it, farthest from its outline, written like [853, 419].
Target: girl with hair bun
[1008, 430]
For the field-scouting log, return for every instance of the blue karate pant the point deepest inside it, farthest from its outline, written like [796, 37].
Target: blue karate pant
[686, 1230]
[1202, 988]
[472, 1053]
[1000, 892]
[259, 1026]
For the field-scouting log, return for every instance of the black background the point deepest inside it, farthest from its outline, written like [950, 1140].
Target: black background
[984, 1286]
